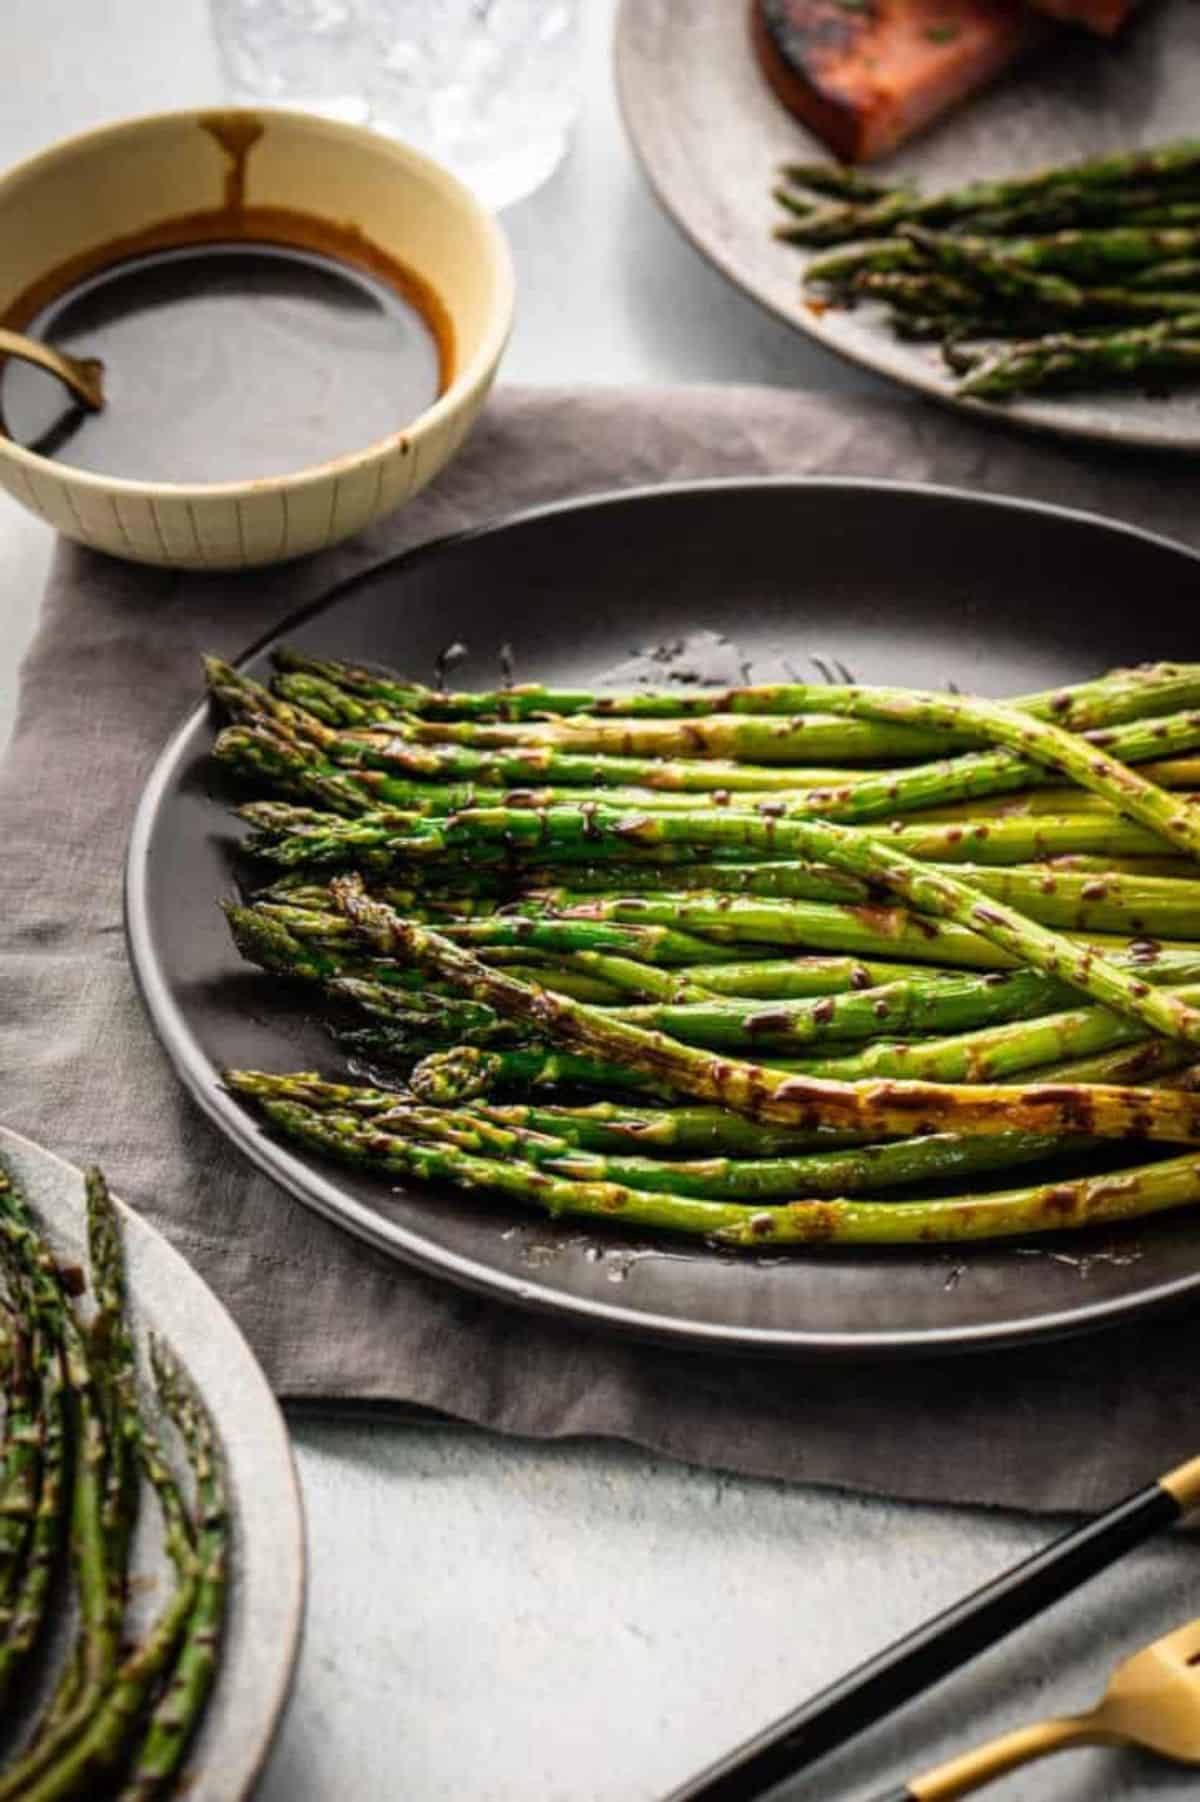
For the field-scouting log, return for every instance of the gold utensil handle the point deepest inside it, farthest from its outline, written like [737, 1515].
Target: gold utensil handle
[82, 375]
[960, 1776]
[1184, 1484]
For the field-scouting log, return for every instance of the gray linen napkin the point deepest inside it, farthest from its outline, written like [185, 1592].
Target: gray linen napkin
[113, 670]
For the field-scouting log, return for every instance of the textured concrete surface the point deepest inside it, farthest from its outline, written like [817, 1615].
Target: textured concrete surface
[585, 1624]
[579, 1623]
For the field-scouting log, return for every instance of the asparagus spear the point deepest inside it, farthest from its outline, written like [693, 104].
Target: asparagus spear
[1046, 1207]
[24, 1427]
[297, 770]
[1112, 174]
[468, 1073]
[882, 1110]
[469, 1070]
[993, 1053]
[1172, 346]
[597, 1126]
[917, 1006]
[104, 1741]
[97, 1639]
[1079, 901]
[977, 261]
[498, 838]
[836, 180]
[1122, 699]
[970, 1016]
[876, 931]
[1096, 254]
[954, 716]
[933, 891]
[936, 1157]
[179, 1710]
[1121, 696]
[1010, 302]
[23, 1609]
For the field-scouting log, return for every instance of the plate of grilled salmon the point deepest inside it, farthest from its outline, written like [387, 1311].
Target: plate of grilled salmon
[996, 202]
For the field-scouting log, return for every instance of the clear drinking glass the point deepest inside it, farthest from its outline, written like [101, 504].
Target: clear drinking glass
[488, 87]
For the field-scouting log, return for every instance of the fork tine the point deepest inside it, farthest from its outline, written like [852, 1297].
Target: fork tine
[1183, 1643]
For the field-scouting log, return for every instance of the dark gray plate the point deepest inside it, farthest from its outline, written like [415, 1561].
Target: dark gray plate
[914, 585]
[266, 1594]
[710, 134]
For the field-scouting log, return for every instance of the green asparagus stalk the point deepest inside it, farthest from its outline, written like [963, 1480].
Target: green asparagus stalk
[465, 1071]
[1123, 699]
[281, 938]
[1107, 178]
[970, 1016]
[24, 1608]
[993, 1053]
[1079, 901]
[977, 261]
[1087, 247]
[296, 770]
[114, 1362]
[789, 978]
[179, 1710]
[24, 1428]
[1063, 359]
[596, 1126]
[90, 1669]
[96, 1652]
[468, 1073]
[932, 891]
[104, 1742]
[882, 1110]
[1034, 740]
[96, 1644]
[875, 932]
[847, 725]
[1046, 1207]
[952, 1005]
[501, 838]
[1037, 740]
[937, 1157]
[836, 180]
[1117, 698]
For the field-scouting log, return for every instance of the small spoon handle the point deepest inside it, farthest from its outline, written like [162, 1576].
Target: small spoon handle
[82, 375]
[963, 1775]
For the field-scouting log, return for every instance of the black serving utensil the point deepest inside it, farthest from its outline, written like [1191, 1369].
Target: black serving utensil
[942, 1645]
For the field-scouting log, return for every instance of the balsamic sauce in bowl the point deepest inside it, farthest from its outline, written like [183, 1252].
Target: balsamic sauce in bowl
[227, 362]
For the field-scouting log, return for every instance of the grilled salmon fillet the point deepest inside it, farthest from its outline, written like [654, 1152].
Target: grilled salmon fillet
[1103, 16]
[867, 74]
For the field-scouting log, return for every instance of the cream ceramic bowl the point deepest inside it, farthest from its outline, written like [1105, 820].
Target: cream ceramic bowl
[261, 175]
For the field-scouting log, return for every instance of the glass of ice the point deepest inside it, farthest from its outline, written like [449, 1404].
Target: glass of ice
[488, 87]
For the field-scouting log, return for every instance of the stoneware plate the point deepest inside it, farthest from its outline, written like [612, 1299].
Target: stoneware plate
[710, 135]
[266, 1595]
[993, 603]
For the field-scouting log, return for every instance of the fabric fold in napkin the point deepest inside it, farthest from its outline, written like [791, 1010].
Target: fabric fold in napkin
[114, 669]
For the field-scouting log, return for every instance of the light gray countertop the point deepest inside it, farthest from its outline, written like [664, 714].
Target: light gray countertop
[579, 1622]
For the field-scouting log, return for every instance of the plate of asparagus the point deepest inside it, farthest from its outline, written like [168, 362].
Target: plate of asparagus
[151, 1541]
[847, 1007]
[1034, 256]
